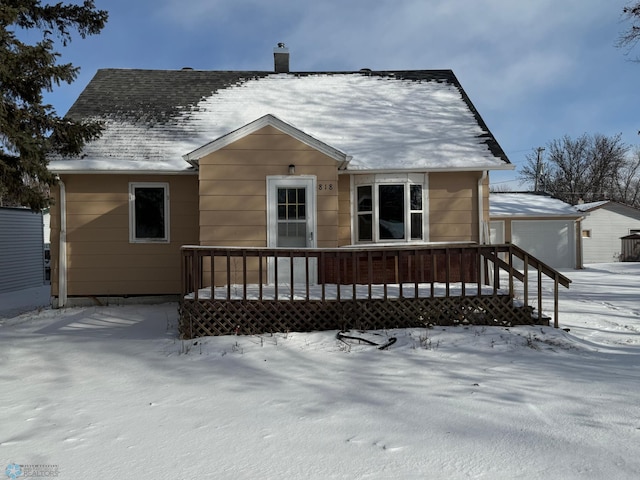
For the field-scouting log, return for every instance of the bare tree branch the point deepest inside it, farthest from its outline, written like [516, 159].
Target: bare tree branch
[588, 168]
[629, 38]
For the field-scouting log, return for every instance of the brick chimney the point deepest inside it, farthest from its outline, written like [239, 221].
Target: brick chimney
[281, 58]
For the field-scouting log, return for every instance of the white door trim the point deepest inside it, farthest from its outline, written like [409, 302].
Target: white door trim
[275, 181]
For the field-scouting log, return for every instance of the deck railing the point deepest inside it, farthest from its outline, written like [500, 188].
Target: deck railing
[242, 274]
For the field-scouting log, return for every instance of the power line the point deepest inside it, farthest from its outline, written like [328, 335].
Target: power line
[518, 151]
[505, 181]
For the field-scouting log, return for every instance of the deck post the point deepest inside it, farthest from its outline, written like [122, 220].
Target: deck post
[416, 272]
[291, 277]
[526, 279]
[461, 268]
[228, 274]
[384, 274]
[260, 275]
[369, 271]
[555, 301]
[197, 272]
[323, 276]
[244, 275]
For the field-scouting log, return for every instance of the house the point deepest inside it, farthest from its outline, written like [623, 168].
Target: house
[271, 160]
[544, 226]
[605, 224]
[22, 262]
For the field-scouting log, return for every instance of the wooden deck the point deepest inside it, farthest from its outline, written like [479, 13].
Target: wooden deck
[228, 290]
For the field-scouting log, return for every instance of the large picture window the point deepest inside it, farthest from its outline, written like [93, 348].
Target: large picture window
[148, 212]
[390, 209]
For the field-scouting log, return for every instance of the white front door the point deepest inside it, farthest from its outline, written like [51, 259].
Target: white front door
[291, 223]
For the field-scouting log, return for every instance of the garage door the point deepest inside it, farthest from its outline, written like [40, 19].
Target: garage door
[552, 241]
[496, 232]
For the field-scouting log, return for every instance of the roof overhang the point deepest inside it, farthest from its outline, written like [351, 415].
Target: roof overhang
[267, 120]
[190, 171]
[426, 170]
[104, 166]
[536, 216]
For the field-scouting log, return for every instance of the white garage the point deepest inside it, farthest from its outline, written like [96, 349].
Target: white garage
[543, 226]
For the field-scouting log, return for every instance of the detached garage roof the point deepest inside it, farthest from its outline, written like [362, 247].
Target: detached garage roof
[623, 209]
[587, 207]
[529, 205]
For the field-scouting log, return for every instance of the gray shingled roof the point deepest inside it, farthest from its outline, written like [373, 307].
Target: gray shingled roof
[154, 96]
[395, 119]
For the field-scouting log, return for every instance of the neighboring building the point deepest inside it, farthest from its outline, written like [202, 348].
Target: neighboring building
[603, 227]
[543, 226]
[262, 159]
[21, 249]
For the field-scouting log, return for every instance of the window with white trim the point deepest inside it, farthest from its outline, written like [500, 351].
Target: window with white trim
[390, 208]
[149, 212]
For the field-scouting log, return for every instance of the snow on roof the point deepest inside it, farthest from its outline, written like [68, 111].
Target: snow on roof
[528, 204]
[267, 120]
[382, 122]
[585, 207]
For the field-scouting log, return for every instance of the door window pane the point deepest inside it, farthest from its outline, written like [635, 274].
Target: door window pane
[292, 235]
[292, 224]
[291, 204]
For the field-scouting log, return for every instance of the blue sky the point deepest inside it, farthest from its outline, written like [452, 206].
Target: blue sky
[535, 70]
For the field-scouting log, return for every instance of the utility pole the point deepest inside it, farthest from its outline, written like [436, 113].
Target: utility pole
[539, 151]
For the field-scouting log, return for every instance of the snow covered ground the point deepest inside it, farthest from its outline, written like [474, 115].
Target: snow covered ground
[111, 393]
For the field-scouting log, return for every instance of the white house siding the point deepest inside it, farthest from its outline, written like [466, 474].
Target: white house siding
[21, 249]
[607, 225]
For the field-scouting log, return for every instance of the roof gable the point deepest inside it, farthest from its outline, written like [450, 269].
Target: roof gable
[402, 120]
[621, 208]
[267, 120]
[587, 207]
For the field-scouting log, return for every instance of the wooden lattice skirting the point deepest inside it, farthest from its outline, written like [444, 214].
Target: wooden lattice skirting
[200, 318]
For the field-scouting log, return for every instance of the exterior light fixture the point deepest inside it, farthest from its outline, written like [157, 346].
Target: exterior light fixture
[292, 169]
